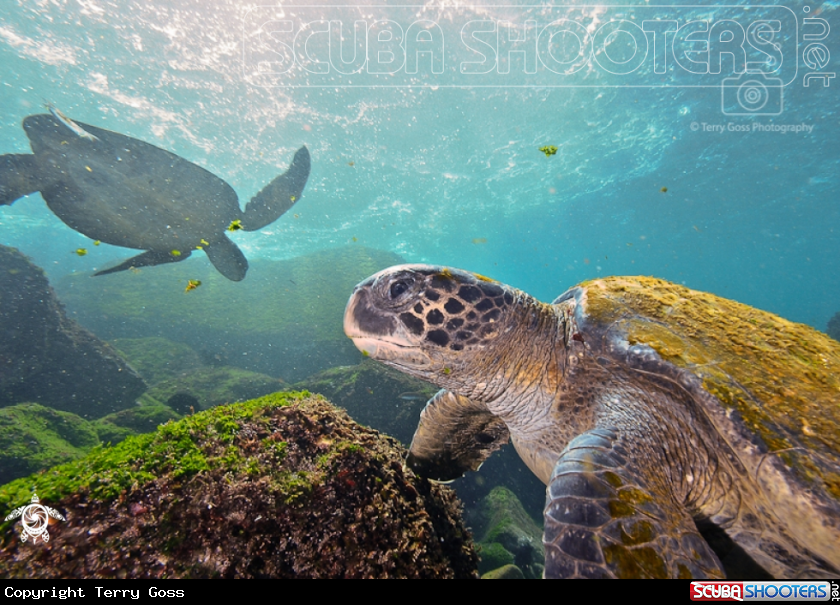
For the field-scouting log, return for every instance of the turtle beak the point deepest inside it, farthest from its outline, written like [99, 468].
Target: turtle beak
[378, 334]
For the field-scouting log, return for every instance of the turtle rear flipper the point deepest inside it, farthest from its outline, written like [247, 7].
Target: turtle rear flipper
[227, 258]
[18, 177]
[602, 520]
[455, 435]
[147, 259]
[279, 195]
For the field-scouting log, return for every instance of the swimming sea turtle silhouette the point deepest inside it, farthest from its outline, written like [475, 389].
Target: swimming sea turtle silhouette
[129, 193]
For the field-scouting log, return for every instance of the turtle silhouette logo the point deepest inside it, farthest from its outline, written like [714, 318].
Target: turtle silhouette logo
[35, 520]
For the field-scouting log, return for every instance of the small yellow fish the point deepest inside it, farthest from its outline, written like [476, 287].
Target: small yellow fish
[355, 240]
[80, 251]
[192, 284]
[548, 150]
[664, 190]
[175, 253]
[88, 169]
[293, 198]
[479, 240]
[97, 242]
[204, 242]
[235, 225]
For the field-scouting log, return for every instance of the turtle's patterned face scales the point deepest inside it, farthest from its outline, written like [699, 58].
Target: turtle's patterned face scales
[421, 311]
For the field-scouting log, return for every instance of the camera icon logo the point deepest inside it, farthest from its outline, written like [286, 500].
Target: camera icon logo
[752, 94]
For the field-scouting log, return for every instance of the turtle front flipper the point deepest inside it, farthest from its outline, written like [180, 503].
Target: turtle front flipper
[455, 435]
[603, 520]
[18, 177]
[147, 259]
[279, 195]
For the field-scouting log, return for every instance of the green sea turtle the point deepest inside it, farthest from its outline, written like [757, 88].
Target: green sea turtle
[679, 434]
[129, 193]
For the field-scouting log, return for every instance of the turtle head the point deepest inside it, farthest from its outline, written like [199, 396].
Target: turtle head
[432, 322]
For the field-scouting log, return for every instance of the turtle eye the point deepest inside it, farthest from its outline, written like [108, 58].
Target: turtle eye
[398, 288]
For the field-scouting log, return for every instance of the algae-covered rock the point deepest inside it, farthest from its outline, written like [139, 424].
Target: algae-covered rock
[157, 359]
[502, 522]
[285, 322]
[214, 386]
[390, 401]
[833, 327]
[493, 555]
[283, 486]
[34, 437]
[50, 359]
[506, 572]
[113, 428]
[374, 395]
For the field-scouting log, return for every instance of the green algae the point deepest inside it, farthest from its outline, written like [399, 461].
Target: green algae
[783, 378]
[115, 427]
[34, 437]
[281, 295]
[492, 556]
[157, 359]
[106, 472]
[215, 386]
[374, 395]
[508, 534]
[282, 486]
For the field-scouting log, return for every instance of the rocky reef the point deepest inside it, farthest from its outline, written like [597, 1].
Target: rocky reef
[833, 327]
[47, 358]
[374, 395]
[391, 402]
[285, 321]
[281, 486]
[508, 537]
[34, 437]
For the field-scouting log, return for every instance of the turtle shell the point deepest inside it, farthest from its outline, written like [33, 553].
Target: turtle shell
[776, 381]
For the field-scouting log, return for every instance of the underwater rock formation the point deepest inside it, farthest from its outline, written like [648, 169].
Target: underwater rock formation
[46, 357]
[508, 535]
[215, 386]
[282, 486]
[285, 321]
[374, 395]
[34, 437]
[138, 420]
[157, 359]
[390, 401]
[833, 327]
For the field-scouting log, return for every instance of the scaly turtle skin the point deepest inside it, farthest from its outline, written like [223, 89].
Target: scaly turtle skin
[128, 193]
[679, 434]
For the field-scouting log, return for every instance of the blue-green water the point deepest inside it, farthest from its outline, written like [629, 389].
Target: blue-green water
[655, 173]
[751, 216]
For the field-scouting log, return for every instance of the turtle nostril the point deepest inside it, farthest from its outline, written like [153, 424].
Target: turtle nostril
[397, 289]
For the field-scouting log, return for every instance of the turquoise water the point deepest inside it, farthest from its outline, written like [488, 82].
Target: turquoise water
[448, 170]
[665, 166]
